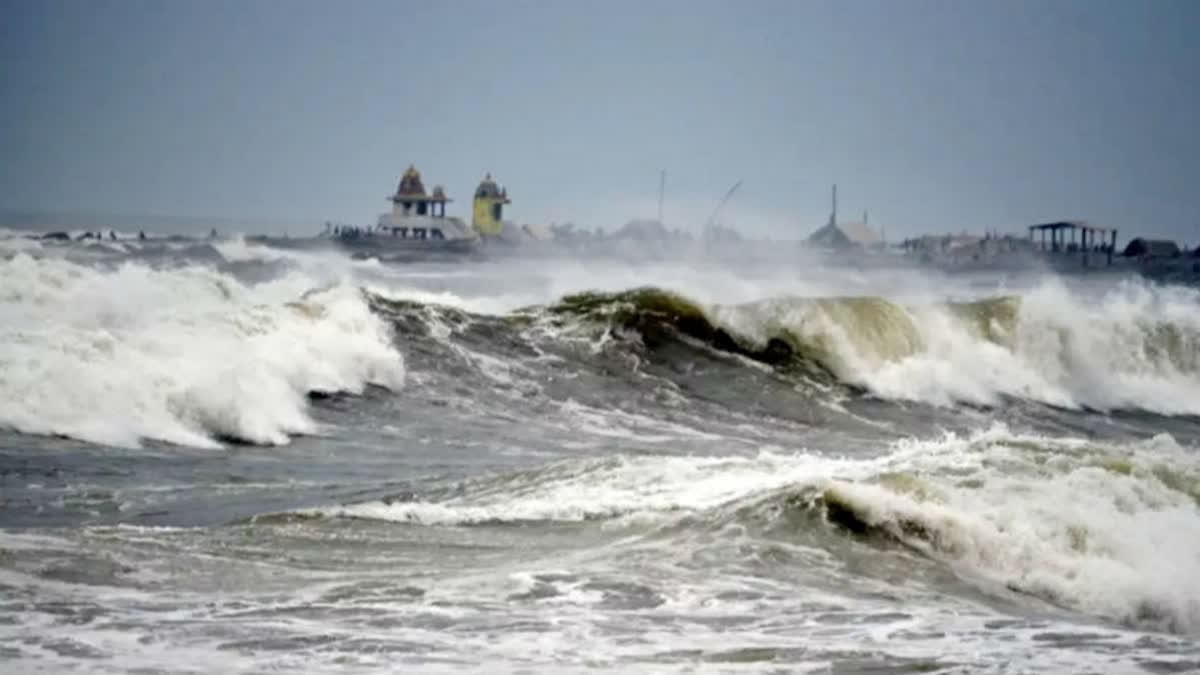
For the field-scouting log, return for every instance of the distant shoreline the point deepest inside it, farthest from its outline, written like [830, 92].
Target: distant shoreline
[48, 221]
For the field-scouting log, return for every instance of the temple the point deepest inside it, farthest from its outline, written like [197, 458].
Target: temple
[417, 220]
[488, 215]
[410, 198]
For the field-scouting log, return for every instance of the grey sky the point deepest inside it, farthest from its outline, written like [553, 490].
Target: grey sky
[934, 115]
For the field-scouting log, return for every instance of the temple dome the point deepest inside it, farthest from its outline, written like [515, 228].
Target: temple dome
[410, 184]
[488, 189]
[439, 192]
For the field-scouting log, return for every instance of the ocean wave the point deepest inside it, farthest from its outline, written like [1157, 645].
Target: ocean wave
[1106, 530]
[186, 355]
[1137, 346]
[1112, 530]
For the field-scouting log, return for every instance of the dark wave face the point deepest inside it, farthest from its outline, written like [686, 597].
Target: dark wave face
[1047, 347]
[263, 458]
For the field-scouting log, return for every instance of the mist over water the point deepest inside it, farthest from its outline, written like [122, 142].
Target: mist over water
[226, 456]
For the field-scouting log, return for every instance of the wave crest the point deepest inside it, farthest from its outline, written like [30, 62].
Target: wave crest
[1135, 347]
[185, 355]
[1107, 529]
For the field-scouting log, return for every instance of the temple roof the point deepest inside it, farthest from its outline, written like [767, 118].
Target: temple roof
[489, 190]
[411, 189]
[844, 234]
[410, 184]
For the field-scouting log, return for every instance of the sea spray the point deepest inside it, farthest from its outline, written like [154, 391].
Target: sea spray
[1136, 346]
[1087, 526]
[184, 355]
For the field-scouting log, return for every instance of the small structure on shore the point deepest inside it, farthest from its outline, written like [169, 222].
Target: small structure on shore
[417, 222]
[488, 213]
[1151, 248]
[410, 198]
[1082, 238]
[844, 235]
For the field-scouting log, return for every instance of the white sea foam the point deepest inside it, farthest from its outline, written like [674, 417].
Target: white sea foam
[181, 355]
[1110, 530]
[1071, 343]
[501, 286]
[1134, 346]
[1113, 531]
[582, 490]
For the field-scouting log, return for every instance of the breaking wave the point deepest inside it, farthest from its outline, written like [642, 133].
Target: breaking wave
[1135, 347]
[186, 355]
[1106, 529]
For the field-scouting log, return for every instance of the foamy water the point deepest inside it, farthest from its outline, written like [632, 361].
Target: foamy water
[178, 355]
[543, 484]
[1133, 346]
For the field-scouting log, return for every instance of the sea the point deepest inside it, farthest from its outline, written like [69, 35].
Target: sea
[229, 456]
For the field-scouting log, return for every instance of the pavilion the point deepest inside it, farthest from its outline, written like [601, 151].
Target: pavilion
[1082, 238]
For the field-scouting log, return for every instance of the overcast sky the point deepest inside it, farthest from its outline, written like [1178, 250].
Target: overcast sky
[935, 116]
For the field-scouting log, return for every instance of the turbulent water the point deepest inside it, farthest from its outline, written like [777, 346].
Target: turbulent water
[227, 457]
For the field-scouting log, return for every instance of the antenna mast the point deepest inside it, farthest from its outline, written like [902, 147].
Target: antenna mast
[833, 213]
[662, 186]
[712, 218]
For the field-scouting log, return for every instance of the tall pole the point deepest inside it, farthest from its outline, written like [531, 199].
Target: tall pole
[833, 213]
[662, 186]
[708, 225]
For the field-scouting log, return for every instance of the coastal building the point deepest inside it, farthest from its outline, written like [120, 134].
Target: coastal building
[844, 235]
[947, 244]
[1151, 248]
[488, 213]
[538, 232]
[966, 249]
[1081, 235]
[417, 221]
[410, 198]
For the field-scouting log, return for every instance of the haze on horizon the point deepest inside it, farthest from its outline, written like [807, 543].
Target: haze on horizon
[934, 115]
